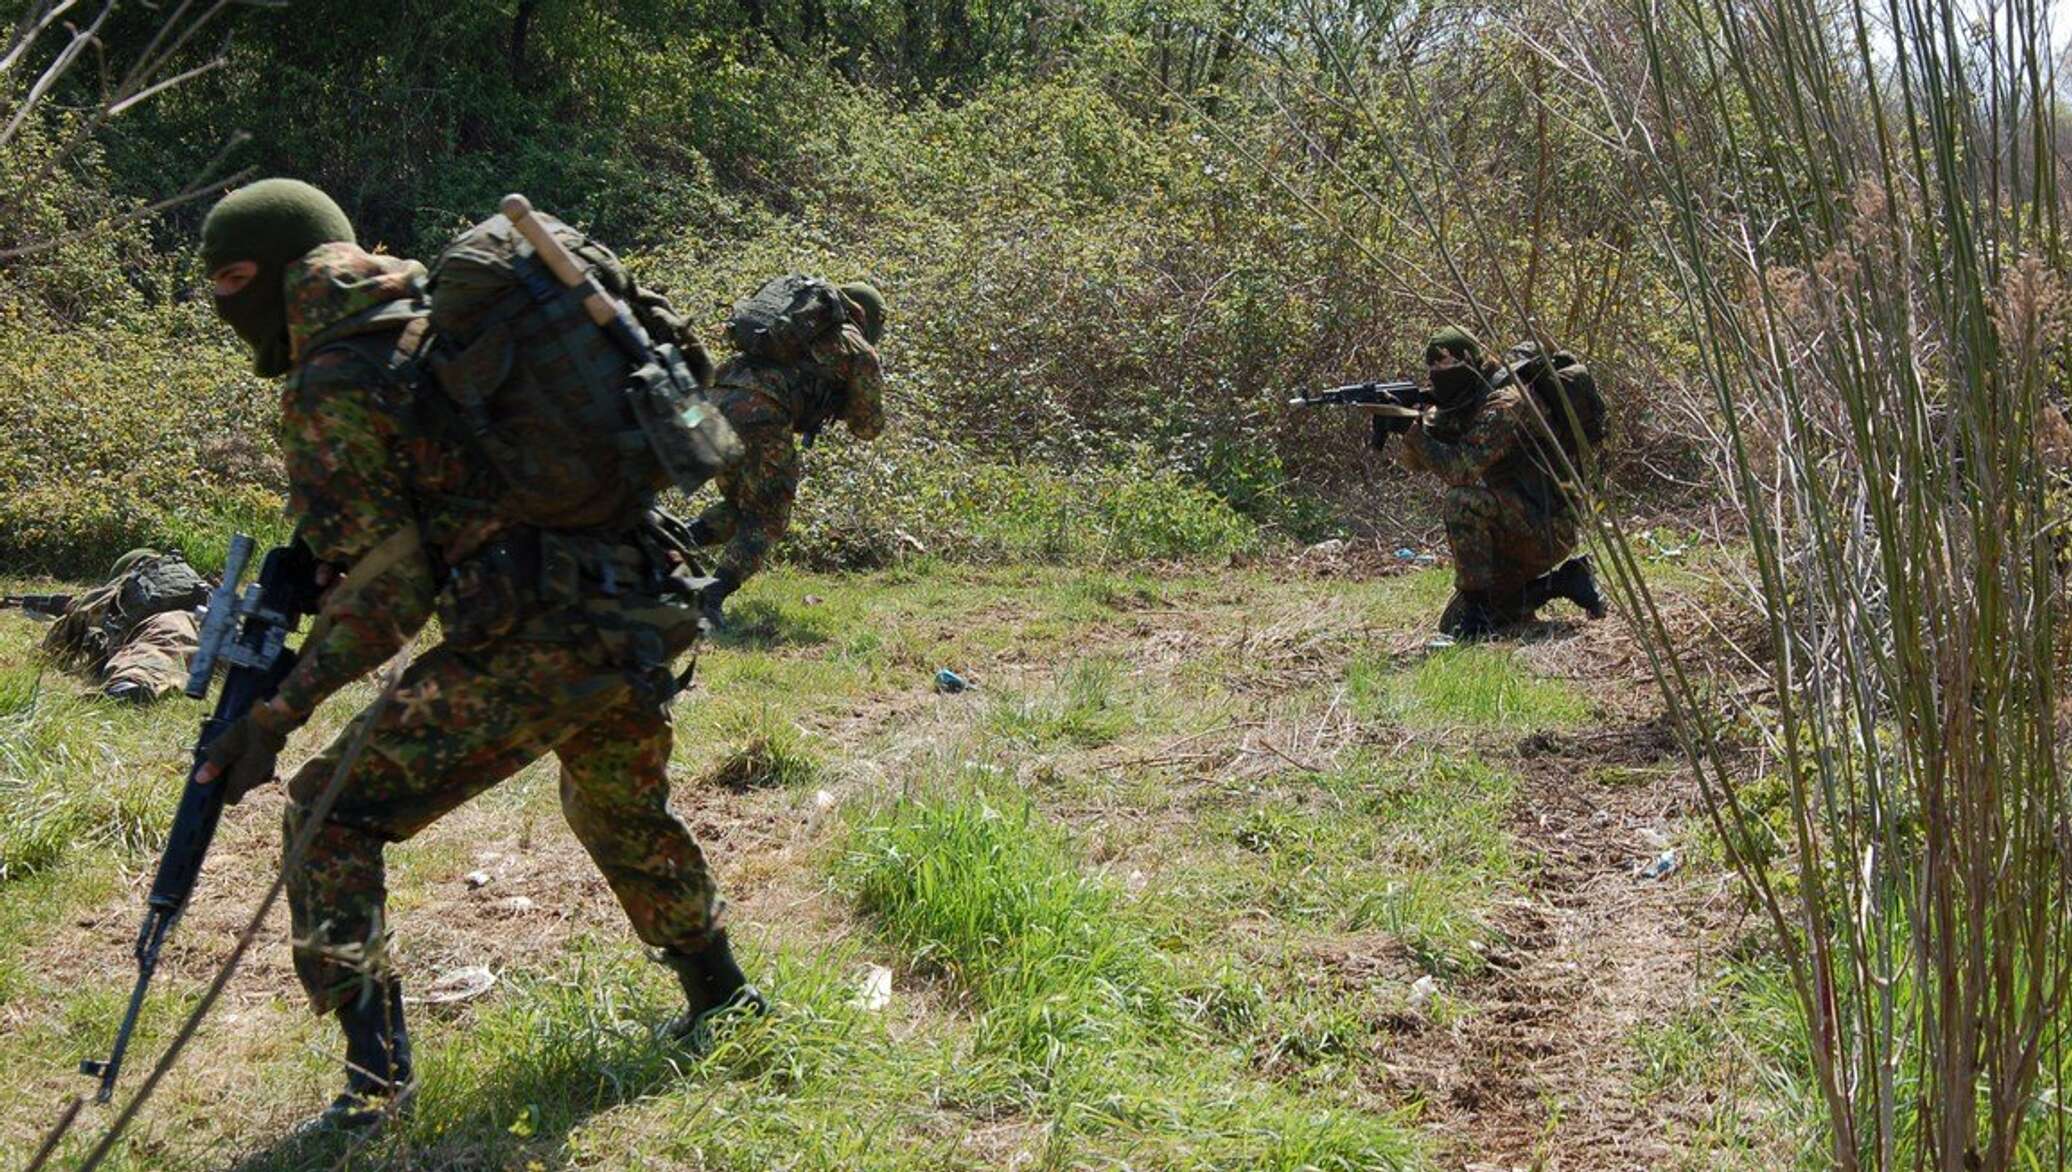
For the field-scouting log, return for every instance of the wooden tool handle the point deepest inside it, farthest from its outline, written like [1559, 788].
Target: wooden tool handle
[518, 210]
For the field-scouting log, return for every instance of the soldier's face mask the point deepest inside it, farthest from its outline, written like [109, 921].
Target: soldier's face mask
[259, 314]
[1456, 386]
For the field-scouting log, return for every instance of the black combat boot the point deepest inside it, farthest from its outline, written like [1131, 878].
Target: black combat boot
[713, 984]
[378, 1079]
[128, 692]
[1468, 618]
[712, 598]
[1575, 581]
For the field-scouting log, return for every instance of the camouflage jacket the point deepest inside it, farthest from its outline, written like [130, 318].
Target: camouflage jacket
[842, 380]
[100, 621]
[767, 403]
[358, 468]
[1497, 449]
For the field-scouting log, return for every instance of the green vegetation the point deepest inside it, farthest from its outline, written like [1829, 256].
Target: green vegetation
[1085, 708]
[1473, 686]
[1212, 821]
[1100, 232]
[1414, 846]
[1067, 987]
[1074, 1000]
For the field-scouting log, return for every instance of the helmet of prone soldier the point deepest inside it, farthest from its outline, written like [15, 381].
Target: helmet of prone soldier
[124, 563]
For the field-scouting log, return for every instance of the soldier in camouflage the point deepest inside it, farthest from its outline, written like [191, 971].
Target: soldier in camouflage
[405, 518]
[769, 403]
[1509, 516]
[136, 632]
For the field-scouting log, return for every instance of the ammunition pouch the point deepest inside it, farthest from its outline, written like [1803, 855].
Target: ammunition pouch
[488, 594]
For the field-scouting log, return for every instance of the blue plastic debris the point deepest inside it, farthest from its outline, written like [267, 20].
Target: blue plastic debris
[949, 682]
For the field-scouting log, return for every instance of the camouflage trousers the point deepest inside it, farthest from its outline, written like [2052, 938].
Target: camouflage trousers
[458, 724]
[756, 495]
[1501, 542]
[156, 654]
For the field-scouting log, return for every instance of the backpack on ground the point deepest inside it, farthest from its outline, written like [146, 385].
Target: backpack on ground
[781, 320]
[581, 436]
[1567, 397]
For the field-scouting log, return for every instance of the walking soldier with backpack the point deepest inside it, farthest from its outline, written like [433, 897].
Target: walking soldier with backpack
[807, 356]
[1503, 439]
[476, 452]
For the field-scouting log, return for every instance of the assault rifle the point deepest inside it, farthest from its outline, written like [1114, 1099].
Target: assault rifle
[1393, 406]
[248, 635]
[47, 606]
[1402, 398]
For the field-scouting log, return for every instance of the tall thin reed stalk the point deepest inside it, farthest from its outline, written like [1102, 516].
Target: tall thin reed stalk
[1861, 206]
[1867, 228]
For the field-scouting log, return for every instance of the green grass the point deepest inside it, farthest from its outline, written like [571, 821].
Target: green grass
[1482, 687]
[77, 773]
[765, 749]
[1073, 997]
[1103, 921]
[990, 897]
[1415, 847]
[1088, 706]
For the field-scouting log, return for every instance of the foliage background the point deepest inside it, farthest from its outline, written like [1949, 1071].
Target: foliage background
[1116, 238]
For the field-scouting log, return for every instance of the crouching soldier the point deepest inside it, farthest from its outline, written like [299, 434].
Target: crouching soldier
[1510, 518]
[807, 356]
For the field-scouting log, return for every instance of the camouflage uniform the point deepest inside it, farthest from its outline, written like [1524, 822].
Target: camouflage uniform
[1506, 515]
[553, 643]
[155, 657]
[136, 632]
[768, 403]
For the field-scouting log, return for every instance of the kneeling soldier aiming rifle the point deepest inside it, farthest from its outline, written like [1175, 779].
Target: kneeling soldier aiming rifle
[1509, 508]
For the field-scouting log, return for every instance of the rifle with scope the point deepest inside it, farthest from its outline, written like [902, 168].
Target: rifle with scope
[247, 634]
[1393, 406]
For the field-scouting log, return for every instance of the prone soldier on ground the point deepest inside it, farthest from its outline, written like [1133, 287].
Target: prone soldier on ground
[433, 464]
[136, 632]
[807, 356]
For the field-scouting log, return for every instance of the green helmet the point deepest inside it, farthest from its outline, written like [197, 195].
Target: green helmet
[872, 303]
[126, 561]
[1453, 340]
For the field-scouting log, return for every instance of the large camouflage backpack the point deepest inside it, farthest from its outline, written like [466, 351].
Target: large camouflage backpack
[1567, 397]
[580, 436]
[781, 320]
[100, 621]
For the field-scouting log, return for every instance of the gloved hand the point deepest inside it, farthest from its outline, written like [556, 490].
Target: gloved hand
[1384, 426]
[711, 598]
[244, 756]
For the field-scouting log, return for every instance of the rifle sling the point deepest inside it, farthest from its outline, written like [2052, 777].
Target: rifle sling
[386, 556]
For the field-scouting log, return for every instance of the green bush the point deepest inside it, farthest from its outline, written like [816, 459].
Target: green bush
[1099, 298]
[147, 432]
